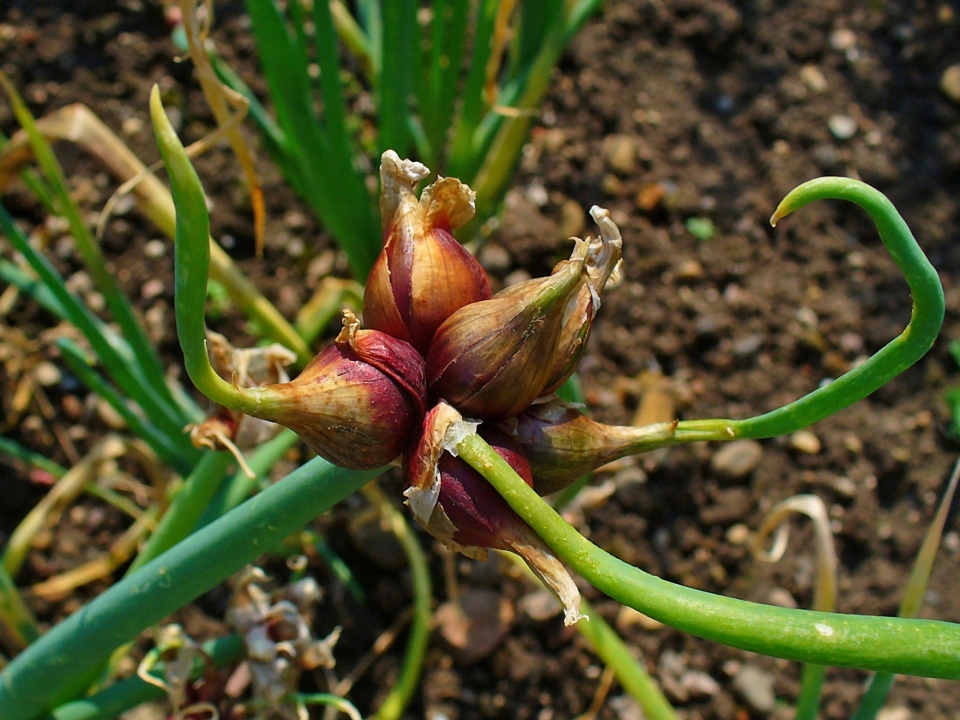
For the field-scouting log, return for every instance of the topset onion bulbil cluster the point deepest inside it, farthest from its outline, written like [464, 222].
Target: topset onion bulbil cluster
[440, 358]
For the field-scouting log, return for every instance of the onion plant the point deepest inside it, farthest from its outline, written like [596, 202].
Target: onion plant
[459, 383]
[892, 645]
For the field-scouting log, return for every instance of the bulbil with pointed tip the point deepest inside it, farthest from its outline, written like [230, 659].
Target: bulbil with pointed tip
[602, 271]
[457, 505]
[492, 359]
[423, 275]
[562, 444]
[489, 359]
[358, 403]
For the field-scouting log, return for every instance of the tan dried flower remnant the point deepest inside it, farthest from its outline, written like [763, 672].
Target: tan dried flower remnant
[233, 431]
[275, 627]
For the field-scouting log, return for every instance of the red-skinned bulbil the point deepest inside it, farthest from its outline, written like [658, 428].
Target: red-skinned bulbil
[456, 504]
[358, 403]
[423, 275]
[562, 444]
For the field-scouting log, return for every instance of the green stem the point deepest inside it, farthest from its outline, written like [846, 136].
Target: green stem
[916, 647]
[90, 252]
[188, 504]
[891, 360]
[811, 686]
[881, 683]
[630, 672]
[335, 701]
[61, 664]
[403, 689]
[241, 486]
[16, 620]
[192, 268]
[353, 38]
[174, 448]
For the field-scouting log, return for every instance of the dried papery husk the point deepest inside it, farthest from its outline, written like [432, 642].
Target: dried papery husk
[487, 359]
[276, 630]
[358, 403]
[457, 505]
[423, 275]
[602, 270]
[230, 430]
[562, 444]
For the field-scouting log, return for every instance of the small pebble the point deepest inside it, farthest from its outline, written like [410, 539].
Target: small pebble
[155, 249]
[724, 105]
[629, 475]
[950, 83]
[110, 417]
[851, 343]
[626, 708]
[572, 219]
[540, 605]
[147, 711]
[78, 514]
[813, 78]
[95, 301]
[755, 687]
[826, 155]
[731, 506]
[620, 152]
[516, 277]
[295, 220]
[689, 270]
[131, 126]
[699, 685]
[781, 597]
[474, 627]
[376, 541]
[650, 196]
[79, 283]
[72, 407]
[951, 541]
[46, 373]
[611, 185]
[628, 617]
[152, 288]
[738, 534]
[894, 713]
[737, 459]
[845, 487]
[537, 194]
[747, 346]
[843, 39]
[672, 663]
[805, 442]
[853, 443]
[843, 127]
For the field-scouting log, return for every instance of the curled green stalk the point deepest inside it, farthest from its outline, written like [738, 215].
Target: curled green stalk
[891, 360]
[192, 258]
[914, 647]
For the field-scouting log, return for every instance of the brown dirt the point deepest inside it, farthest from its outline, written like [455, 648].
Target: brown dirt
[724, 107]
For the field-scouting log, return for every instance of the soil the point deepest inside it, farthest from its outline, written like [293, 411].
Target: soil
[662, 111]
